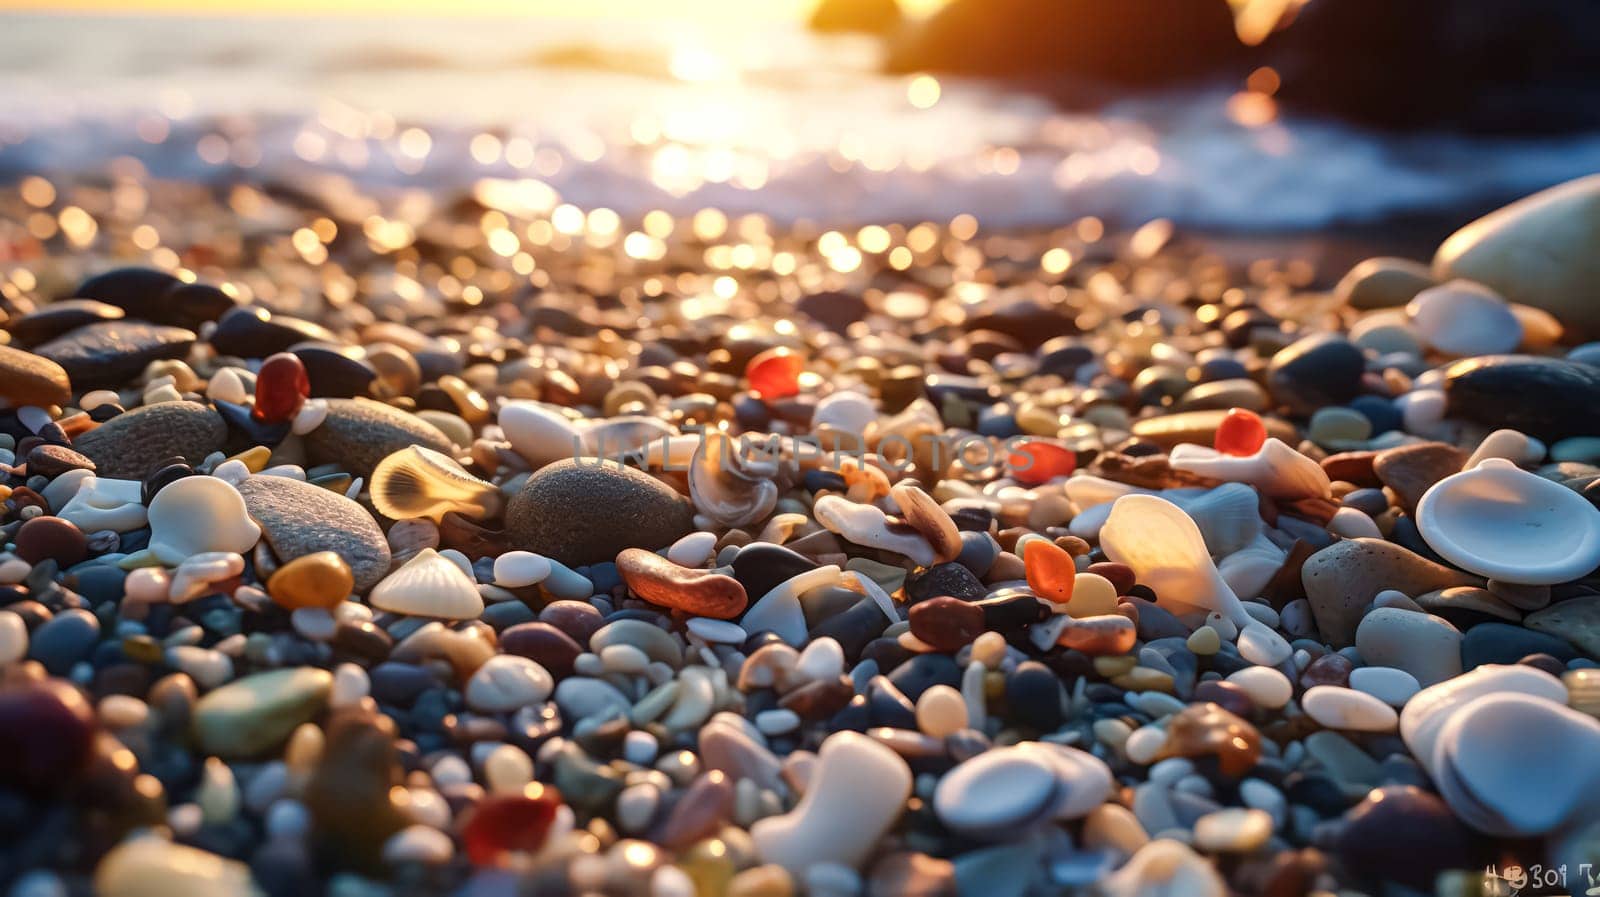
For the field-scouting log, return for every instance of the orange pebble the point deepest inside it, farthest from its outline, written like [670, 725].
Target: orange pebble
[1036, 462]
[775, 373]
[1050, 570]
[1240, 433]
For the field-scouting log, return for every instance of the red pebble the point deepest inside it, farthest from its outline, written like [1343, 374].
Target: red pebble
[509, 823]
[281, 388]
[1241, 433]
[1036, 462]
[775, 373]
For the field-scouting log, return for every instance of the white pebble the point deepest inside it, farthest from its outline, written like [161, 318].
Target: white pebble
[507, 770]
[1267, 688]
[418, 844]
[519, 569]
[693, 550]
[821, 660]
[1387, 684]
[13, 637]
[941, 711]
[1344, 708]
[506, 682]
[218, 793]
[640, 747]
[1144, 744]
[1234, 829]
[350, 685]
[310, 416]
[717, 631]
[636, 807]
[1262, 646]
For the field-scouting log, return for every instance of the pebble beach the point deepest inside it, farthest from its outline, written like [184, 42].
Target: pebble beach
[467, 541]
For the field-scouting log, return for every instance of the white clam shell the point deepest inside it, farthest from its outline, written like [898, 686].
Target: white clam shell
[1248, 570]
[1507, 524]
[1276, 469]
[1517, 765]
[198, 514]
[1166, 551]
[1426, 714]
[1229, 516]
[866, 525]
[428, 585]
[729, 485]
[104, 503]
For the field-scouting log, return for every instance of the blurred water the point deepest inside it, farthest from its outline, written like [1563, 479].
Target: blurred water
[679, 116]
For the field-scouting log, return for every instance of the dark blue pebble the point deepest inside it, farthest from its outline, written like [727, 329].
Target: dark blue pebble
[1379, 411]
[1033, 695]
[818, 480]
[508, 613]
[853, 628]
[1504, 643]
[400, 683]
[97, 582]
[922, 672]
[64, 641]
[889, 706]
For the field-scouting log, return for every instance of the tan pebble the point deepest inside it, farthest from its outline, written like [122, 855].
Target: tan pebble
[321, 579]
[1092, 595]
[941, 711]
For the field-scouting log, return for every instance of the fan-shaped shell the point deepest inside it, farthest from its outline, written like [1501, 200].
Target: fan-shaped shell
[1502, 522]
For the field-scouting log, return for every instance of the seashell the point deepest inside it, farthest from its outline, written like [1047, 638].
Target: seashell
[866, 525]
[428, 585]
[779, 610]
[1425, 715]
[923, 514]
[1276, 469]
[728, 486]
[199, 514]
[1514, 765]
[1229, 516]
[420, 482]
[1166, 551]
[1088, 490]
[1499, 521]
[106, 503]
[538, 433]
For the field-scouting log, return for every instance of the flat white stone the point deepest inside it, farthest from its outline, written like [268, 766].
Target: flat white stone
[1344, 708]
[1387, 684]
[519, 569]
[1262, 646]
[506, 682]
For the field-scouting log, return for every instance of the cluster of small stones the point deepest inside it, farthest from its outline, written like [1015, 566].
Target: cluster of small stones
[303, 591]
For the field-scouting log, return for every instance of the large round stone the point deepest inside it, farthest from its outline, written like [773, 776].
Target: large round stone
[130, 445]
[358, 433]
[108, 353]
[1539, 251]
[587, 512]
[29, 379]
[298, 519]
[1548, 398]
